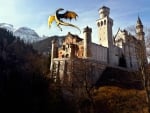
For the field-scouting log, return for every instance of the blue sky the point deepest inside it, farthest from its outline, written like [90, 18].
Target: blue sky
[34, 14]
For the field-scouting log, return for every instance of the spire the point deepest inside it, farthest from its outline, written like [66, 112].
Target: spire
[139, 29]
[139, 22]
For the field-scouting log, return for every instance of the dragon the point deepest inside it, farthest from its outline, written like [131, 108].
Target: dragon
[57, 18]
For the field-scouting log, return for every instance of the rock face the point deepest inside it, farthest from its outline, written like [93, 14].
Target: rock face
[28, 35]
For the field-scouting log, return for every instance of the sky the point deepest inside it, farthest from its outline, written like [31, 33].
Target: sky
[34, 14]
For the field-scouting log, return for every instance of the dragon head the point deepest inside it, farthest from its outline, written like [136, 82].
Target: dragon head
[60, 9]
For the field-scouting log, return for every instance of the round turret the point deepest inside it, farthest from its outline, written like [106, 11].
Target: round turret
[87, 29]
[87, 34]
[125, 32]
[87, 41]
[104, 11]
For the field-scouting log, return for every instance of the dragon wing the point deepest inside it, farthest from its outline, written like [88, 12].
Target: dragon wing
[50, 20]
[70, 15]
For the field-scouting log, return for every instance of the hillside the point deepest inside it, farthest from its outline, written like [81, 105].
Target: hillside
[120, 91]
[112, 99]
[44, 46]
[112, 76]
[24, 88]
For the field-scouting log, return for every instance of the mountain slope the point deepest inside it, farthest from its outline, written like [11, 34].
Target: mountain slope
[27, 34]
[8, 27]
[44, 46]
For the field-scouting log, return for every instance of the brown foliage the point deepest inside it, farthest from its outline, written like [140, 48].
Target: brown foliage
[118, 100]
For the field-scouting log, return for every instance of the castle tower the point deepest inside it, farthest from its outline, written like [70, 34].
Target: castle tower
[139, 30]
[87, 41]
[105, 24]
[141, 47]
[54, 52]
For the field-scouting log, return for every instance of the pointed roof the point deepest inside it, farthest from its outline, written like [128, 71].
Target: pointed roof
[139, 21]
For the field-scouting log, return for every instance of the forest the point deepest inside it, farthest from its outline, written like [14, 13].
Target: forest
[24, 86]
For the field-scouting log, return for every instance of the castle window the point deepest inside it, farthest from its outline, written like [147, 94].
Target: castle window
[63, 47]
[98, 24]
[104, 22]
[101, 23]
[67, 55]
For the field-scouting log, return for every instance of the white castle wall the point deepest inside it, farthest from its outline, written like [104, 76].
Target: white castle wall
[98, 52]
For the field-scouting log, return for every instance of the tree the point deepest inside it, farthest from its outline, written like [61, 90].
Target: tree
[24, 88]
[143, 65]
[142, 59]
[132, 30]
[83, 86]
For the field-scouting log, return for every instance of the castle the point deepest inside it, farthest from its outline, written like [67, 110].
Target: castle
[79, 56]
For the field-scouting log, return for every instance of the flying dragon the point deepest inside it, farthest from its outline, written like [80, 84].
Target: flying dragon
[57, 18]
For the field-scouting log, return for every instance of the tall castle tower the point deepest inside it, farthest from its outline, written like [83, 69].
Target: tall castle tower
[105, 24]
[87, 41]
[140, 36]
[139, 30]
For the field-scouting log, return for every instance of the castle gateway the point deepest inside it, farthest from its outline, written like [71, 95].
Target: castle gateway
[79, 56]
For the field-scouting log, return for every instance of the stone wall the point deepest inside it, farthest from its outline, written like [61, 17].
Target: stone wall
[99, 53]
[77, 70]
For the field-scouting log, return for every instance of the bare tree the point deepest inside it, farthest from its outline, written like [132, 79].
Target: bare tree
[143, 72]
[77, 84]
[132, 30]
[143, 52]
[84, 86]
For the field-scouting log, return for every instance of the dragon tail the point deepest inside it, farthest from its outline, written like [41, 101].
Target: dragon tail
[59, 22]
[68, 24]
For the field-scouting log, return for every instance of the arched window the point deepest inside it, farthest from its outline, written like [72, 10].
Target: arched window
[104, 22]
[98, 24]
[101, 23]
[67, 55]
